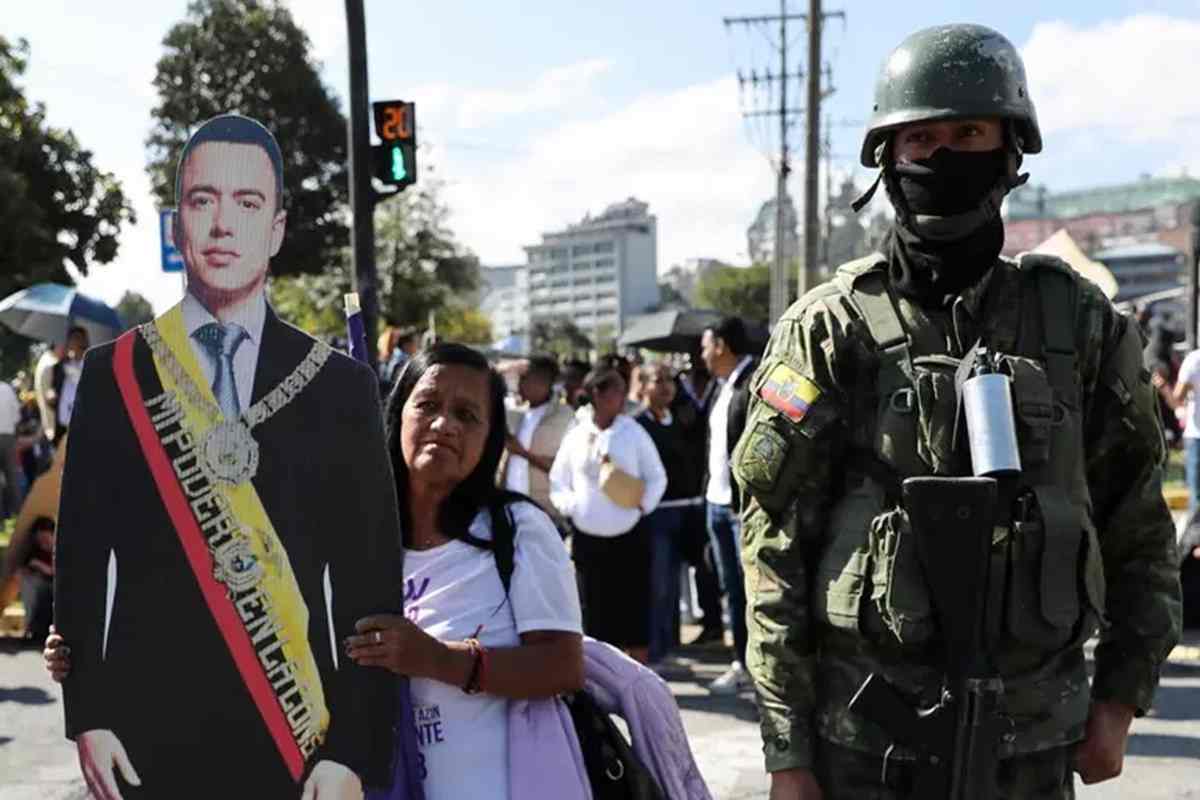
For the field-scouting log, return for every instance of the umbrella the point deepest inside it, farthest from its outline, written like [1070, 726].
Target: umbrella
[45, 311]
[680, 331]
[669, 331]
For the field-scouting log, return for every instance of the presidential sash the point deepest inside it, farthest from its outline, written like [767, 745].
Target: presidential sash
[240, 565]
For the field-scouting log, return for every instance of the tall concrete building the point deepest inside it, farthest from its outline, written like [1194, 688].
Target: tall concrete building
[599, 272]
[504, 299]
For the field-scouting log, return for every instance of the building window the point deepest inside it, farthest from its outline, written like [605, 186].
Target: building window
[604, 247]
[581, 249]
[603, 262]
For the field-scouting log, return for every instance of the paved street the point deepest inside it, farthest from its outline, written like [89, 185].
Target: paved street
[36, 763]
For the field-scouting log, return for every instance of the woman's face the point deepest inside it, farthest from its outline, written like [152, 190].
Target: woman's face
[444, 424]
[611, 400]
[659, 388]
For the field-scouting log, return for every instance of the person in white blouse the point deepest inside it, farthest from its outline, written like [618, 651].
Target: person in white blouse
[606, 478]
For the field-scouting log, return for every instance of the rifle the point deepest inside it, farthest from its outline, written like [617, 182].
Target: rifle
[958, 739]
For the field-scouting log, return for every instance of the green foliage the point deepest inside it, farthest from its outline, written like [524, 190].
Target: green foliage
[421, 267]
[670, 297]
[134, 309]
[738, 291]
[559, 335]
[313, 303]
[250, 57]
[460, 323]
[55, 204]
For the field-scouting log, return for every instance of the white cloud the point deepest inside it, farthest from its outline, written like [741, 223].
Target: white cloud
[1129, 79]
[683, 151]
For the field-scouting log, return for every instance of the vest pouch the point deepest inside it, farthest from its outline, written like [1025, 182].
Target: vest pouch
[1046, 562]
[937, 407]
[845, 567]
[899, 596]
[1034, 408]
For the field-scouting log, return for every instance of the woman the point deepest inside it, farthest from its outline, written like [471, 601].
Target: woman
[467, 645]
[667, 523]
[611, 543]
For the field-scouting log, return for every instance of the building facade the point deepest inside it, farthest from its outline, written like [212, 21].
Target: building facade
[599, 272]
[1147, 210]
[504, 299]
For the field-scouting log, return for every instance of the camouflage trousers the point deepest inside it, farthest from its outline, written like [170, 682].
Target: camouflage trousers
[846, 774]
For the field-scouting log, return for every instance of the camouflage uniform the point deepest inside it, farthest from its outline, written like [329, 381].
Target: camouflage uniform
[833, 595]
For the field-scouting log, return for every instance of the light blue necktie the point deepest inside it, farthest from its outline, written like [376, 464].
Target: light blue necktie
[220, 342]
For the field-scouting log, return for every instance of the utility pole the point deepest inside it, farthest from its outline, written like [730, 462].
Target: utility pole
[812, 160]
[779, 296]
[828, 194]
[779, 288]
[362, 194]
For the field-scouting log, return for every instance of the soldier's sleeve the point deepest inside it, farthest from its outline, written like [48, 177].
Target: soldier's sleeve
[1125, 457]
[784, 463]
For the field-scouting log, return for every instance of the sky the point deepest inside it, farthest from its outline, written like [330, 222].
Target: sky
[534, 113]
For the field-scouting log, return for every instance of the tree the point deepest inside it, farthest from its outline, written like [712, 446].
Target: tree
[421, 267]
[738, 291]
[463, 324]
[670, 297]
[134, 309]
[250, 57]
[57, 206]
[313, 303]
[558, 335]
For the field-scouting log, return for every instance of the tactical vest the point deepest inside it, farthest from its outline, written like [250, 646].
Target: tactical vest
[1047, 575]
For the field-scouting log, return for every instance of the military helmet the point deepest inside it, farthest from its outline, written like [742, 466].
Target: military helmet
[952, 72]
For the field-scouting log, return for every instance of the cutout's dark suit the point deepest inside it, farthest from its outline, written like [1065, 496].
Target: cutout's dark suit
[166, 684]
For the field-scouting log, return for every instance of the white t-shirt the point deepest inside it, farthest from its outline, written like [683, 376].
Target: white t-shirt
[720, 488]
[575, 475]
[66, 400]
[517, 477]
[453, 592]
[10, 409]
[1189, 372]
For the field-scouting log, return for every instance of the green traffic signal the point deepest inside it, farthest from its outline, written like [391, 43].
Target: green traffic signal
[399, 173]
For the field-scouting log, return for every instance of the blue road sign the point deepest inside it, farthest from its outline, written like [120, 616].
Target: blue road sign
[172, 261]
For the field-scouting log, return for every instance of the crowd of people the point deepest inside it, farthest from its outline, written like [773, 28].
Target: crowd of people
[35, 413]
[630, 461]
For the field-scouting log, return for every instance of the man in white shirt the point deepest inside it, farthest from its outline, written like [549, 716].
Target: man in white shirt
[536, 431]
[724, 349]
[43, 387]
[10, 415]
[1187, 388]
[66, 379]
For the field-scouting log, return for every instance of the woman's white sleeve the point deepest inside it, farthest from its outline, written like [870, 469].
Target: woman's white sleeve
[544, 595]
[562, 493]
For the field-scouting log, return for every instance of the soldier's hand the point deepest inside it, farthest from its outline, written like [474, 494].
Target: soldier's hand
[1101, 754]
[794, 784]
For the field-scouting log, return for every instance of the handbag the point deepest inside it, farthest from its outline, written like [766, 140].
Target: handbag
[619, 486]
[613, 769]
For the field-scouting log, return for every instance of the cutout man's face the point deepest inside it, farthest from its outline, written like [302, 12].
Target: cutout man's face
[228, 220]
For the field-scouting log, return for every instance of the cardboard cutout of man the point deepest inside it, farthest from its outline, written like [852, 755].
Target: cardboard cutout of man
[228, 512]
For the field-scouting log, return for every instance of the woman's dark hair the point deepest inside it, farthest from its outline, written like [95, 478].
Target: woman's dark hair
[478, 490]
[601, 379]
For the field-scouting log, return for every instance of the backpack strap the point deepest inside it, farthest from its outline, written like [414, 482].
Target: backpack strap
[503, 542]
[1058, 299]
[869, 294]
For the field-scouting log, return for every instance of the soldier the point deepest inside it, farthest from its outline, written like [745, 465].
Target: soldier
[857, 392]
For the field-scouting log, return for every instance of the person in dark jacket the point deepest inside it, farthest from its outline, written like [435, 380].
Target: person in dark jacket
[667, 521]
[725, 350]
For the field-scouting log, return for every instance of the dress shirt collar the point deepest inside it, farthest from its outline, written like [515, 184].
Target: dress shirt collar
[195, 316]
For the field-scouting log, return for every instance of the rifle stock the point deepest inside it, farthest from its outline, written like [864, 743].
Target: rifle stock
[958, 739]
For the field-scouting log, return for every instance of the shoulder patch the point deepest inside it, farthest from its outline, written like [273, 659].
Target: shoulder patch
[788, 392]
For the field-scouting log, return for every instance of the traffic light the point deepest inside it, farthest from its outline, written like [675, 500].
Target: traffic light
[395, 161]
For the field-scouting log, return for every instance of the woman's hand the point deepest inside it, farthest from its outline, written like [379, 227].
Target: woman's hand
[393, 642]
[56, 656]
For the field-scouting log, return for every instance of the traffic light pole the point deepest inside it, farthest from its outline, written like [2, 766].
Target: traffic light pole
[362, 194]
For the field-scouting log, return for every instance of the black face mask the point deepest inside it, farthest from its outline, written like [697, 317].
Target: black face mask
[949, 182]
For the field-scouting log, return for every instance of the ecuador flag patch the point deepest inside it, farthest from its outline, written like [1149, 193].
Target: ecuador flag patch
[789, 392]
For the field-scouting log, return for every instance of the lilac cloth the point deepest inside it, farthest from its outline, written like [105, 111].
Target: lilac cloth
[544, 760]
[638, 695]
[406, 771]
